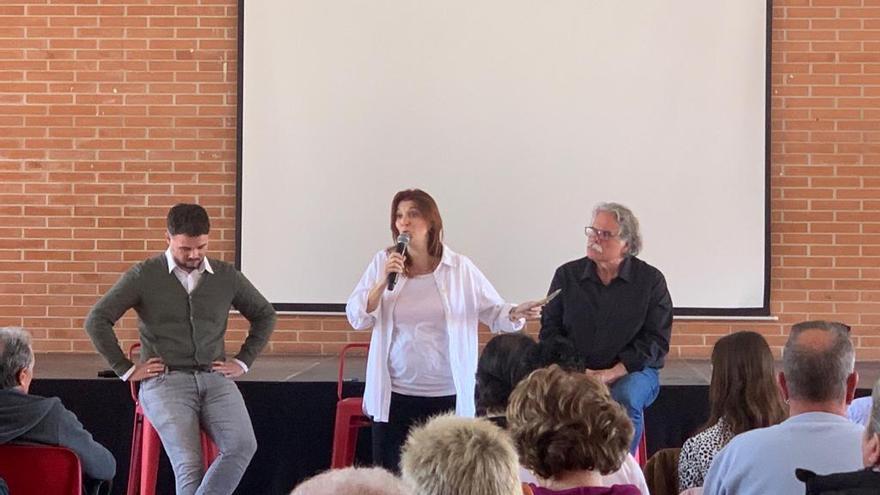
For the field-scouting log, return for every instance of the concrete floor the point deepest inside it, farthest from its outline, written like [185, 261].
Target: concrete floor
[325, 368]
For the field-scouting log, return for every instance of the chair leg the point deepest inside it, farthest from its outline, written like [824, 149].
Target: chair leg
[642, 452]
[352, 441]
[340, 441]
[209, 450]
[150, 459]
[134, 463]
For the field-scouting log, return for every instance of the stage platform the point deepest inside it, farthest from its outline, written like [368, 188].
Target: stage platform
[292, 401]
[682, 372]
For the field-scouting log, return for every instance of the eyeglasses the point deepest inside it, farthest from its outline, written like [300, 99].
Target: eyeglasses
[602, 235]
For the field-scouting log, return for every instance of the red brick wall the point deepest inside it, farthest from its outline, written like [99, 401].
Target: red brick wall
[112, 111]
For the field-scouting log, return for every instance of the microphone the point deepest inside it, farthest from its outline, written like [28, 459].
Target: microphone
[402, 243]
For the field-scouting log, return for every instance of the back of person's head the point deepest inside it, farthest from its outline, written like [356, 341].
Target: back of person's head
[510, 357]
[817, 360]
[190, 220]
[871, 439]
[15, 355]
[461, 456]
[502, 364]
[354, 480]
[563, 421]
[873, 426]
[743, 390]
[560, 351]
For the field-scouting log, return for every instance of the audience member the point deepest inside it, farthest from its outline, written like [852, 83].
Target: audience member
[743, 395]
[26, 418]
[509, 358]
[461, 456]
[506, 359]
[859, 410]
[862, 482]
[569, 432]
[354, 480]
[818, 380]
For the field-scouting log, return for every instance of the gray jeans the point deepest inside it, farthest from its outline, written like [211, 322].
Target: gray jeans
[179, 404]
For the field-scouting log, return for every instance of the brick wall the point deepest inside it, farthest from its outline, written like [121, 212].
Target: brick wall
[111, 111]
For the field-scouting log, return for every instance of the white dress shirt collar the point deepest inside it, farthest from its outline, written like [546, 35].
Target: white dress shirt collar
[203, 267]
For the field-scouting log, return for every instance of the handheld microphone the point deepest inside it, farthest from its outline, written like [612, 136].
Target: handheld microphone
[402, 243]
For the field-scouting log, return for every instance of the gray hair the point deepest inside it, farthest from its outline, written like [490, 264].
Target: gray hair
[465, 456]
[873, 426]
[363, 481]
[629, 225]
[15, 355]
[818, 373]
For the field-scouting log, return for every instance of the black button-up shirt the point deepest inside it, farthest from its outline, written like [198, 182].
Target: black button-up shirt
[627, 321]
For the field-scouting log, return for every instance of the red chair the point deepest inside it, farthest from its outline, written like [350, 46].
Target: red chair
[642, 450]
[40, 470]
[349, 417]
[145, 444]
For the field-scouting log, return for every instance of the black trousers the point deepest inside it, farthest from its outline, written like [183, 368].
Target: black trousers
[405, 412]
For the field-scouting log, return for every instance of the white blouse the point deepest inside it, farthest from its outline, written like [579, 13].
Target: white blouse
[468, 298]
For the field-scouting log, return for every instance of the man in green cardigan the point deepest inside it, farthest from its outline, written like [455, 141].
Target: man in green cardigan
[182, 299]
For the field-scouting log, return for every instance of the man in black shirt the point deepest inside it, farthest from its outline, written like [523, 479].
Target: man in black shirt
[616, 310]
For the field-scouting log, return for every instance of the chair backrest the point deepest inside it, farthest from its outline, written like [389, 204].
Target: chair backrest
[340, 379]
[661, 472]
[861, 482]
[40, 470]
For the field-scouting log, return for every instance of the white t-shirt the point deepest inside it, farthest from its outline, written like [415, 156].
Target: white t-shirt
[419, 359]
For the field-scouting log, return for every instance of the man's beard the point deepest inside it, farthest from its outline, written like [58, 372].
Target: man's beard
[189, 265]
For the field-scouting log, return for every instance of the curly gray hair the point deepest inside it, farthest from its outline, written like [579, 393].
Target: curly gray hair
[629, 225]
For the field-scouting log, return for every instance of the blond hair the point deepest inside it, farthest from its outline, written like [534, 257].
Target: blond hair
[460, 456]
[362, 481]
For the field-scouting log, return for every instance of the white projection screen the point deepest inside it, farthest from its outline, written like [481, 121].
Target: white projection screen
[517, 116]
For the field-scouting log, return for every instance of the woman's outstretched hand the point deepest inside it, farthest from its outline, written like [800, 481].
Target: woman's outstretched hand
[530, 310]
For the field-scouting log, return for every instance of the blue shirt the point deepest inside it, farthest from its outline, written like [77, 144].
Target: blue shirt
[763, 461]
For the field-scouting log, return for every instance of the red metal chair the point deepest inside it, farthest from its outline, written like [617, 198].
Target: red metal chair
[145, 444]
[642, 450]
[349, 417]
[40, 470]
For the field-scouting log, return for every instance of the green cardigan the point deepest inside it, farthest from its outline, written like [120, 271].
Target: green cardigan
[182, 329]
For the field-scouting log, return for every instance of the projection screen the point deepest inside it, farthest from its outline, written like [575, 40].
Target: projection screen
[517, 116]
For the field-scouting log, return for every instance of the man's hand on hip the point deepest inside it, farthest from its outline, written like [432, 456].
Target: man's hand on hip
[148, 369]
[229, 368]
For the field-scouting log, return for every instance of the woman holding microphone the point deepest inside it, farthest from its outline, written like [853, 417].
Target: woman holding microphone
[423, 351]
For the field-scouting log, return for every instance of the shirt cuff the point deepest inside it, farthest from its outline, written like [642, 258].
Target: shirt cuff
[241, 363]
[128, 373]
